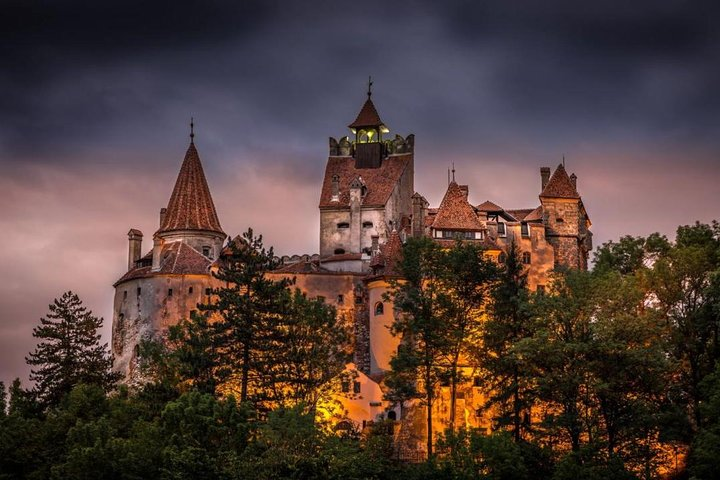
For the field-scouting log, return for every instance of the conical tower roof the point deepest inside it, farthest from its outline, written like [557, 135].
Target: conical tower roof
[560, 185]
[368, 116]
[191, 206]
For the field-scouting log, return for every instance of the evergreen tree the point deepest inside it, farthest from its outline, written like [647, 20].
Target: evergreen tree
[501, 356]
[69, 351]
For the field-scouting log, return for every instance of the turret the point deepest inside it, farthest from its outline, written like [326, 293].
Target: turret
[368, 130]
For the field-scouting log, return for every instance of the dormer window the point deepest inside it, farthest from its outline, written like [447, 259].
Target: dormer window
[206, 251]
[502, 232]
[343, 225]
[524, 229]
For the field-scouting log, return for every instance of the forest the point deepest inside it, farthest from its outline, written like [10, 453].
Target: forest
[611, 373]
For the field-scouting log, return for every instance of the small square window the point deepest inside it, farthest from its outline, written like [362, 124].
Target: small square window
[501, 229]
[356, 387]
[345, 386]
[340, 299]
[169, 292]
[207, 291]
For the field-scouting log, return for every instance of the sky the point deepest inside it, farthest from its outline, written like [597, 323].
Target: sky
[97, 97]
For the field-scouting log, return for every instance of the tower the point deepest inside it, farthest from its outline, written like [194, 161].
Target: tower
[165, 286]
[565, 219]
[366, 193]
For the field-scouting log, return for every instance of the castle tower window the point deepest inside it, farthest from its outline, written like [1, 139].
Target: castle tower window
[502, 257]
[139, 291]
[392, 415]
[559, 220]
[501, 229]
[345, 386]
[339, 251]
[477, 382]
[169, 292]
[524, 229]
[343, 225]
[526, 258]
[190, 290]
[367, 225]
[125, 295]
[207, 291]
[340, 299]
[356, 387]
[379, 308]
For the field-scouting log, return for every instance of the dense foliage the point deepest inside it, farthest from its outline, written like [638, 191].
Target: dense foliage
[608, 374]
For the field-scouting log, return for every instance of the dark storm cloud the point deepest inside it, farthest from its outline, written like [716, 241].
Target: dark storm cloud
[96, 98]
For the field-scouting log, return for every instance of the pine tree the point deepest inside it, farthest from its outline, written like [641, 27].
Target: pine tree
[69, 352]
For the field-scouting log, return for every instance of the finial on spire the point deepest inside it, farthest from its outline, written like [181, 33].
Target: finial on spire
[563, 160]
[453, 171]
[448, 176]
[192, 130]
[369, 86]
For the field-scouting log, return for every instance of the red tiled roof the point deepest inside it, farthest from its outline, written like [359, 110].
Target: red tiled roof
[191, 206]
[386, 260]
[176, 258]
[560, 185]
[535, 215]
[521, 213]
[488, 206]
[455, 213]
[380, 182]
[368, 116]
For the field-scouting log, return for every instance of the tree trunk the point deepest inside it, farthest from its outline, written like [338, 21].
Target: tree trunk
[516, 406]
[245, 373]
[429, 400]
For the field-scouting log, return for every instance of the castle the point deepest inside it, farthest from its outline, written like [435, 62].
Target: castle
[368, 207]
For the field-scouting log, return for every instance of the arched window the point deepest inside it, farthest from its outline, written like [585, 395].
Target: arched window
[379, 308]
[392, 415]
[526, 258]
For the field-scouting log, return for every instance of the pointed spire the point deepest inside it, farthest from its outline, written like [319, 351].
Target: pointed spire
[368, 116]
[560, 185]
[191, 206]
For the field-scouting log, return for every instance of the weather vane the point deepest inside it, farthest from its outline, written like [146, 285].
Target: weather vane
[369, 86]
[192, 130]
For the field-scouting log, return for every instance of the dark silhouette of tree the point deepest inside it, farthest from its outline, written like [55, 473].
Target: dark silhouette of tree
[69, 352]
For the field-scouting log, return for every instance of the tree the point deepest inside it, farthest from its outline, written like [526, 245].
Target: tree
[508, 375]
[69, 352]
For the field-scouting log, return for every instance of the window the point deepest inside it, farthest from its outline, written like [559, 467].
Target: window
[345, 386]
[139, 291]
[356, 387]
[190, 290]
[392, 415]
[340, 299]
[559, 220]
[477, 382]
[379, 308]
[526, 258]
[501, 229]
[502, 257]
[524, 229]
[367, 225]
[124, 294]
[207, 291]
[339, 251]
[320, 298]
[169, 292]
[206, 251]
[342, 225]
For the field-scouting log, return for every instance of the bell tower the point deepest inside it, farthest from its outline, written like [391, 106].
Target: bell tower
[368, 130]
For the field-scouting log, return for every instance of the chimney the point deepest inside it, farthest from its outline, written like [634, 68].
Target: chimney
[163, 212]
[134, 247]
[544, 177]
[573, 179]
